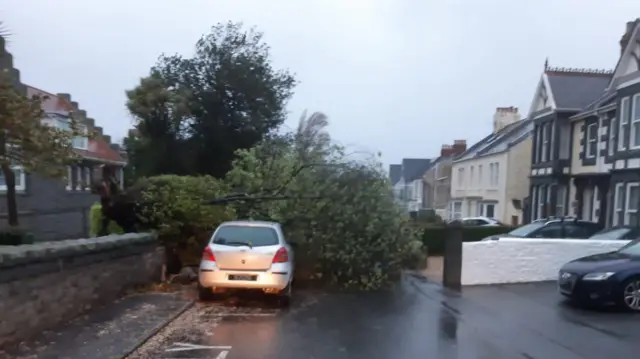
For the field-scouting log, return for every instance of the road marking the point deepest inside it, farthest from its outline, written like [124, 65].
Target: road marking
[222, 354]
[241, 314]
[188, 346]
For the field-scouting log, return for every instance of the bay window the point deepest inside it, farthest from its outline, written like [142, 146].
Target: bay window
[631, 206]
[612, 137]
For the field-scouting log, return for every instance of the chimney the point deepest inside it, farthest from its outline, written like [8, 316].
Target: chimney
[457, 148]
[627, 35]
[505, 116]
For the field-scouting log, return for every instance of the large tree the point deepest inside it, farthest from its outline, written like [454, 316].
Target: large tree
[201, 109]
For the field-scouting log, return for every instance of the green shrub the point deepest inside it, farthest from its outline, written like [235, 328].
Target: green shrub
[433, 237]
[176, 207]
[95, 222]
[15, 237]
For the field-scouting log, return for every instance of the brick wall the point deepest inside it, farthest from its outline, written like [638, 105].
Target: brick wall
[44, 284]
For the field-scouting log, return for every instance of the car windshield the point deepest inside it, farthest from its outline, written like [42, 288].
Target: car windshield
[612, 233]
[252, 236]
[526, 229]
[632, 249]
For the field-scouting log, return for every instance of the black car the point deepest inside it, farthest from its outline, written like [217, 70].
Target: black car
[619, 232]
[607, 278]
[563, 227]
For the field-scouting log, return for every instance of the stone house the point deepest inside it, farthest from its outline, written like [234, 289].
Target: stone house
[55, 209]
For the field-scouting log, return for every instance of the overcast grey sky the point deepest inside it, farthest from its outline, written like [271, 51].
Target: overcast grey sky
[397, 76]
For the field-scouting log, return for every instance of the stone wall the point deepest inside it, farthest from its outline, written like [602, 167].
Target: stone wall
[44, 284]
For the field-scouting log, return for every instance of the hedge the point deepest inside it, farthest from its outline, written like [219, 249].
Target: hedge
[15, 237]
[434, 237]
[95, 222]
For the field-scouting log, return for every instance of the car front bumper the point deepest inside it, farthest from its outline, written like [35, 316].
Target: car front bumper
[592, 291]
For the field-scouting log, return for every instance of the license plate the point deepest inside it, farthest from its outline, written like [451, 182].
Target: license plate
[242, 277]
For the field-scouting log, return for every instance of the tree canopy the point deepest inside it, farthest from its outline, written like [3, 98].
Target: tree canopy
[192, 113]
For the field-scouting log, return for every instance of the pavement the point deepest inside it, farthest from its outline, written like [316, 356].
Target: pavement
[418, 319]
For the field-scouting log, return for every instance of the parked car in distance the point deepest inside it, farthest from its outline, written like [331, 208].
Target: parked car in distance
[247, 255]
[554, 227]
[607, 278]
[618, 232]
[480, 222]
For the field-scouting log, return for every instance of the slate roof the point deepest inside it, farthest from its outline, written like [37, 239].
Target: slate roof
[395, 173]
[507, 137]
[576, 90]
[414, 168]
[99, 149]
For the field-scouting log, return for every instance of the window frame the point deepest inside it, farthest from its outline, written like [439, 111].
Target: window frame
[22, 177]
[592, 129]
[618, 210]
[634, 123]
[611, 146]
[480, 182]
[453, 210]
[627, 210]
[561, 201]
[545, 140]
[461, 177]
[623, 123]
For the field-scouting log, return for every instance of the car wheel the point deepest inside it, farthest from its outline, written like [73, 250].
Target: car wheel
[630, 294]
[284, 297]
[205, 294]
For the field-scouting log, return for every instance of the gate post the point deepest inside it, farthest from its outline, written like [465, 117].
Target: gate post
[452, 266]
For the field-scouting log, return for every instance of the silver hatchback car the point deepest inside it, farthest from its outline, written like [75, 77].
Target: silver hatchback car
[247, 255]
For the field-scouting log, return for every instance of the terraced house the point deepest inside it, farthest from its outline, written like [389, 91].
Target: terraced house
[586, 158]
[490, 178]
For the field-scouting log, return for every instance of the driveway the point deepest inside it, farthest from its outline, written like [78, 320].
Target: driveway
[417, 320]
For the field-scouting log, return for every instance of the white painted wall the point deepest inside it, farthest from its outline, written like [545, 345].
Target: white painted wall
[510, 260]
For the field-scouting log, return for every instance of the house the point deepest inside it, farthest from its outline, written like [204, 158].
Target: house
[437, 179]
[408, 186]
[490, 178]
[605, 163]
[53, 208]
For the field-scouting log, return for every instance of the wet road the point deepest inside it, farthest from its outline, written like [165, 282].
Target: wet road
[417, 320]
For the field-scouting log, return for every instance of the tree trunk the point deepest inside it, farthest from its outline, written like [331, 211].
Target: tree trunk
[12, 206]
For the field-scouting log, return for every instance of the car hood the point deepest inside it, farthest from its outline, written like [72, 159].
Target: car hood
[610, 261]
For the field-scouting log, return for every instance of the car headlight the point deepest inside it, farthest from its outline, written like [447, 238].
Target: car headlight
[598, 276]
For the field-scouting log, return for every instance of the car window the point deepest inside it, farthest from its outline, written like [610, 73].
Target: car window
[252, 235]
[613, 233]
[551, 230]
[527, 229]
[632, 248]
[577, 231]
[473, 222]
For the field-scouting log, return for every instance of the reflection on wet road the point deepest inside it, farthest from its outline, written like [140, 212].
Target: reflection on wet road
[417, 320]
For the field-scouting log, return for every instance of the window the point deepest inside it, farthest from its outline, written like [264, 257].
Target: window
[534, 194]
[538, 144]
[576, 231]
[471, 176]
[460, 177]
[61, 122]
[623, 123]
[631, 208]
[561, 197]
[542, 197]
[551, 230]
[545, 142]
[494, 174]
[552, 130]
[618, 217]
[489, 210]
[69, 178]
[20, 177]
[635, 122]
[480, 179]
[497, 174]
[79, 178]
[87, 178]
[456, 210]
[612, 137]
[591, 142]
[240, 235]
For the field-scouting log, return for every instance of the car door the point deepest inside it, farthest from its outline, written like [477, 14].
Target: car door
[551, 230]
